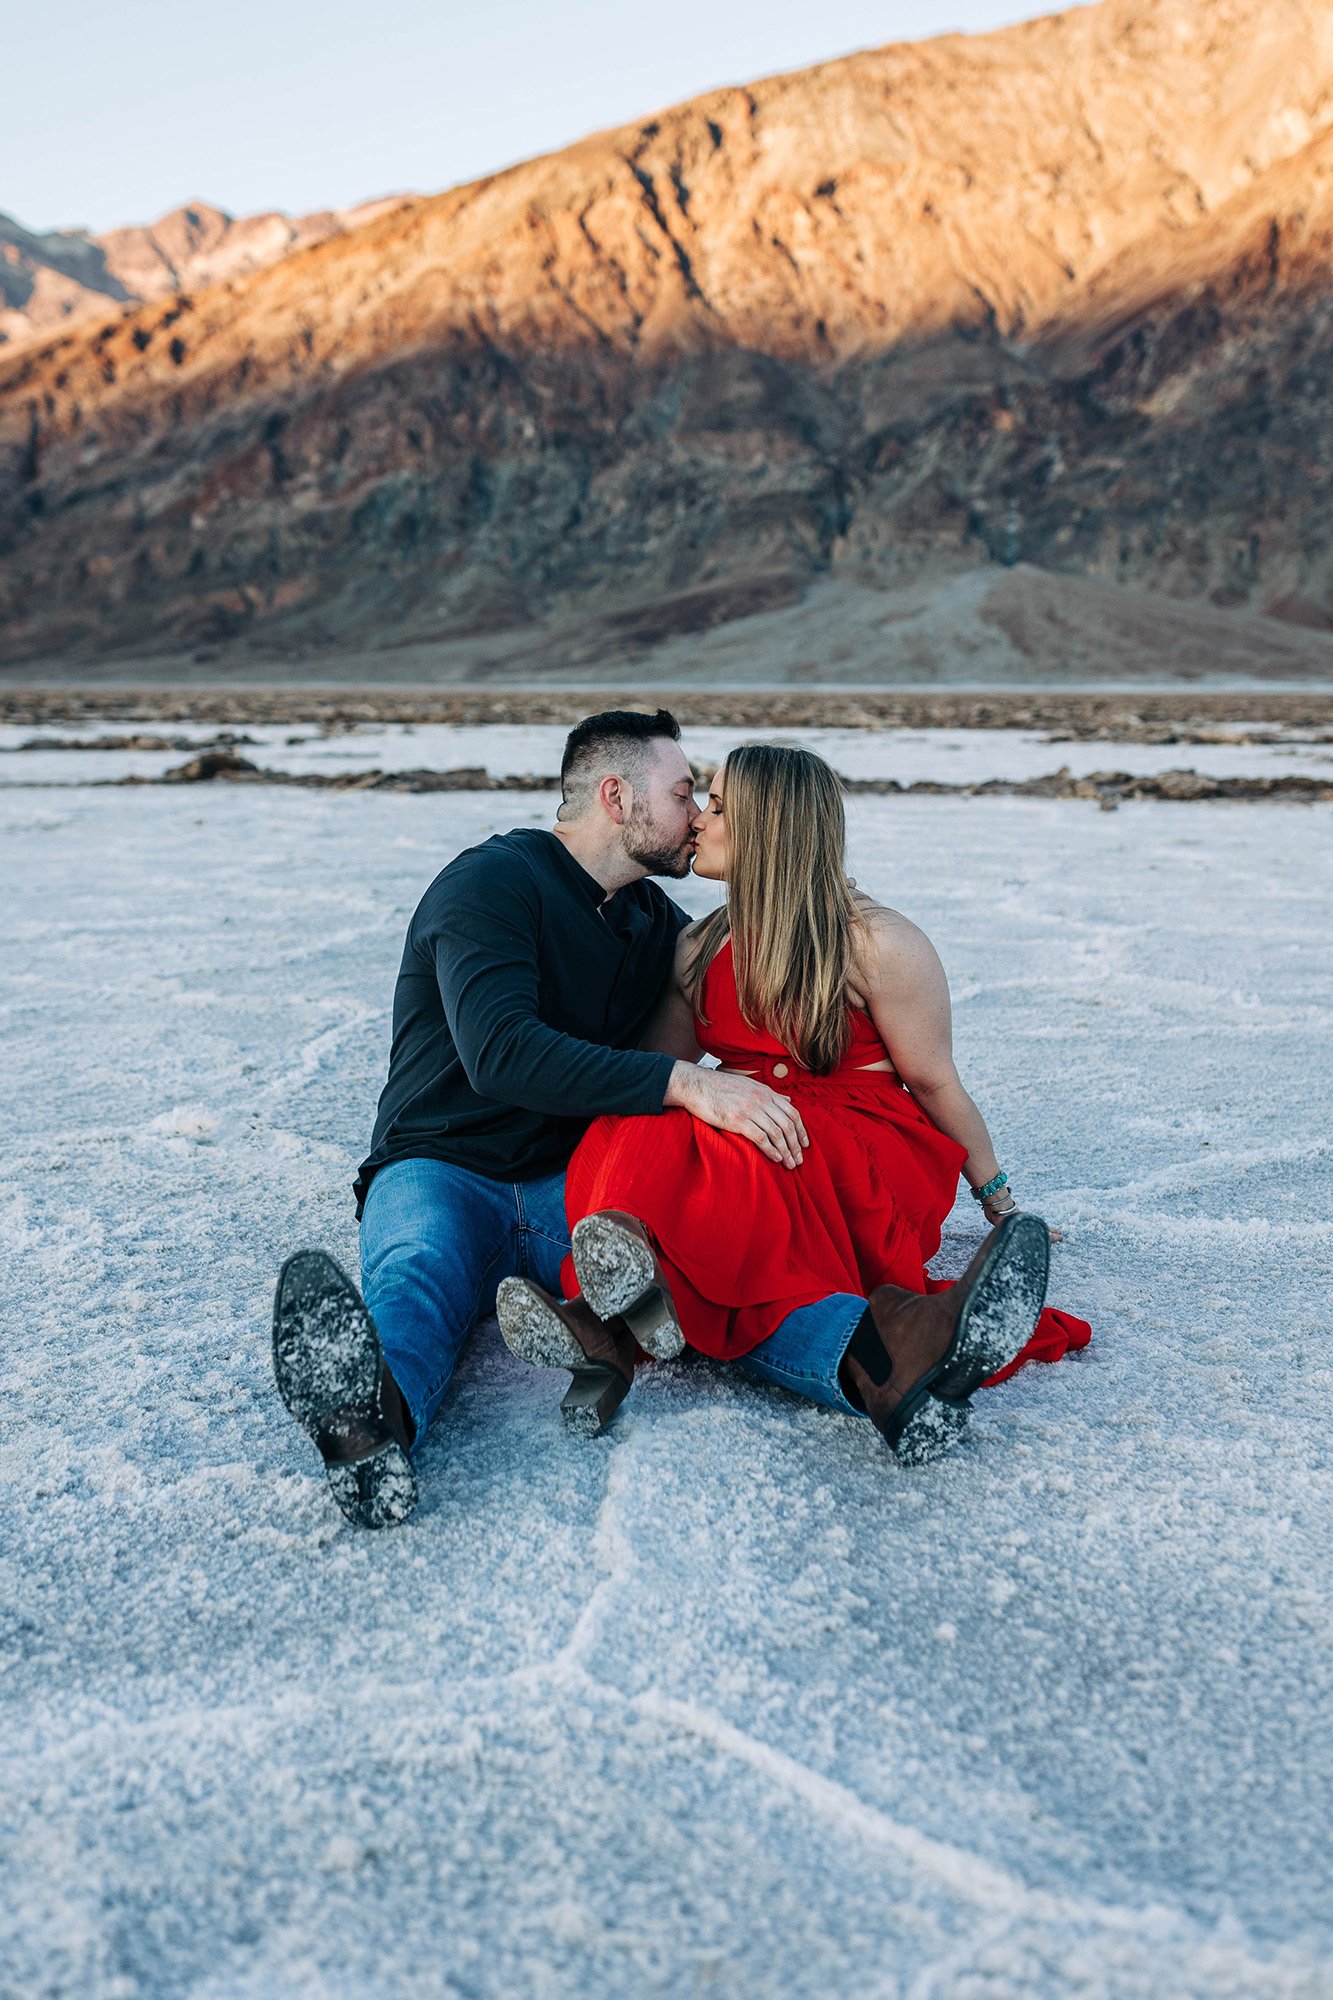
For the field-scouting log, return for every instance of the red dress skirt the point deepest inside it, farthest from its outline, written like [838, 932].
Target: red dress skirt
[744, 1241]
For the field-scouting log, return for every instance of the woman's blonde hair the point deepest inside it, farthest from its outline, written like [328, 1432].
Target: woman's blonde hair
[790, 908]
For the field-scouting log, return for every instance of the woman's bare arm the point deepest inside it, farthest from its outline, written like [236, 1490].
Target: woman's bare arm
[671, 1025]
[900, 977]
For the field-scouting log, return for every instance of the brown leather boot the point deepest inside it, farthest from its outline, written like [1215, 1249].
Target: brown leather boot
[914, 1361]
[566, 1333]
[619, 1275]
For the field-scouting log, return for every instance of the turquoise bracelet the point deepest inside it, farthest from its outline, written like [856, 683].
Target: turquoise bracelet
[991, 1187]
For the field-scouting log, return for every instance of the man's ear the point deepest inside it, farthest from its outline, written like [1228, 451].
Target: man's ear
[617, 797]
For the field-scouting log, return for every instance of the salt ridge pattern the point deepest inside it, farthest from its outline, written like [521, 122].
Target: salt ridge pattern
[727, 1701]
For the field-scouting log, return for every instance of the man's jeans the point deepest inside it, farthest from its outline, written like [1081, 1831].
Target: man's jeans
[436, 1241]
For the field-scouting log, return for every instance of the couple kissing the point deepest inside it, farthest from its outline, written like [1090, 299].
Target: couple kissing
[549, 1146]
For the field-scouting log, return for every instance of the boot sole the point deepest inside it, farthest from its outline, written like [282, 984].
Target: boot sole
[617, 1275]
[326, 1362]
[532, 1331]
[379, 1491]
[535, 1334]
[1001, 1309]
[998, 1316]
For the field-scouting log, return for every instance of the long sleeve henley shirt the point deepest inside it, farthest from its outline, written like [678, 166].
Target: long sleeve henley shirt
[521, 996]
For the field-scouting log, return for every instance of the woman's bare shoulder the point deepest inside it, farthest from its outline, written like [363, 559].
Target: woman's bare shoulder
[887, 944]
[884, 929]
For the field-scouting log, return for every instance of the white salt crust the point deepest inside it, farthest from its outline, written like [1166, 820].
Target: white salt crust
[730, 1701]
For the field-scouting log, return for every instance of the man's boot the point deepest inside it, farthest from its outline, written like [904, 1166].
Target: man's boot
[332, 1376]
[620, 1277]
[566, 1333]
[914, 1361]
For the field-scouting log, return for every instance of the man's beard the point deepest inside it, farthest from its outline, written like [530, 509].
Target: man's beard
[647, 849]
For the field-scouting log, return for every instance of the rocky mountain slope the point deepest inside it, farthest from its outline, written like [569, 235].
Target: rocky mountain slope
[1055, 299]
[51, 279]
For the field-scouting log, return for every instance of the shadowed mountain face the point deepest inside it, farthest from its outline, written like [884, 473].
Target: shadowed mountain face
[1058, 297]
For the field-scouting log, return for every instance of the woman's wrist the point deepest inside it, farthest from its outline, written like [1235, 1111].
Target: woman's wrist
[995, 1197]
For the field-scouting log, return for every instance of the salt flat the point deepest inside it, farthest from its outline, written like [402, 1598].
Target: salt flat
[936, 756]
[725, 1703]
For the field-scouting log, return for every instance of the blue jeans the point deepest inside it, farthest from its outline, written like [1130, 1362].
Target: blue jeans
[803, 1355]
[435, 1243]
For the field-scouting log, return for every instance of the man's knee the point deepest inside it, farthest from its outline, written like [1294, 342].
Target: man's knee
[410, 1261]
[448, 1265]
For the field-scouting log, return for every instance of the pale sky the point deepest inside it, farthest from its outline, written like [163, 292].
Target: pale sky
[116, 113]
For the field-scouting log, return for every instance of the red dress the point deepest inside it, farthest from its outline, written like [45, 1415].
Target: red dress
[744, 1241]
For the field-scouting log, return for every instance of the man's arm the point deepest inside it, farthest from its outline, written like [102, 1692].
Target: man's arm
[486, 964]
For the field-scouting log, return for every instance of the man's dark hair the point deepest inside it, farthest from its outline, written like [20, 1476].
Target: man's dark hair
[616, 740]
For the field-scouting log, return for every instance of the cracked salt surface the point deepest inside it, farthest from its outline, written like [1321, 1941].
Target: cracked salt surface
[727, 1701]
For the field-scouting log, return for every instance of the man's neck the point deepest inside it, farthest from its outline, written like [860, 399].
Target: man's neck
[607, 863]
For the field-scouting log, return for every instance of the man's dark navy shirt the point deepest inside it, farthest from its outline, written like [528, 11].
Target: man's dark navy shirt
[521, 996]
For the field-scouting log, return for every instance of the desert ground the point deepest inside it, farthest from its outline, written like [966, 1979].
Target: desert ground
[727, 1701]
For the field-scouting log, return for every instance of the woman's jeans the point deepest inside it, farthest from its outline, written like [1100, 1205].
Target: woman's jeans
[436, 1241]
[803, 1355]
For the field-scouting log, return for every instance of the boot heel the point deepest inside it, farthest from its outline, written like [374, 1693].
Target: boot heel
[592, 1399]
[930, 1428]
[378, 1491]
[654, 1325]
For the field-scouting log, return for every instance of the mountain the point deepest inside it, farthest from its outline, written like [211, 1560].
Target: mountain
[50, 279]
[1053, 304]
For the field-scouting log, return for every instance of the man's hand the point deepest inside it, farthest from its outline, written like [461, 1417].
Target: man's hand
[743, 1105]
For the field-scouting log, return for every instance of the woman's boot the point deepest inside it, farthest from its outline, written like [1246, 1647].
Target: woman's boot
[914, 1360]
[619, 1275]
[566, 1333]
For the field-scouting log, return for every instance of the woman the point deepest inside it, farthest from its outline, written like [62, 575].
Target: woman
[841, 1005]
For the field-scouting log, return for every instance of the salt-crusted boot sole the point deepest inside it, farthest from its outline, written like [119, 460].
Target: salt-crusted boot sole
[536, 1333]
[327, 1362]
[532, 1331]
[1006, 1291]
[379, 1491]
[1004, 1301]
[617, 1275]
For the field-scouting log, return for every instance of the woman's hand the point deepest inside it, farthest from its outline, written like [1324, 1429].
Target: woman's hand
[1002, 1204]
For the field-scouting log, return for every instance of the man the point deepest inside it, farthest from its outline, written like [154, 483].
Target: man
[531, 968]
